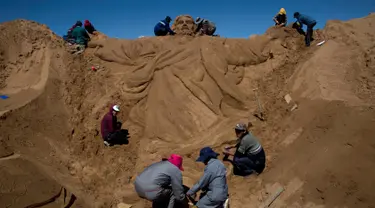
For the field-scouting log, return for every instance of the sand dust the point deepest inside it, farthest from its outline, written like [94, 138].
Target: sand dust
[178, 94]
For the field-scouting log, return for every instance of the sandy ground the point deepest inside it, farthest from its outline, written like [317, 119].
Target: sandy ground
[178, 94]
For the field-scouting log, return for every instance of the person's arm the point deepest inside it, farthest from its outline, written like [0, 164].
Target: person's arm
[177, 188]
[203, 182]
[275, 19]
[169, 29]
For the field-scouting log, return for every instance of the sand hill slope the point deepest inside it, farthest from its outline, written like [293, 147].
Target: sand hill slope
[178, 94]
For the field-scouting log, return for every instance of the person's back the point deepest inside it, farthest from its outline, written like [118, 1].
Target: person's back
[217, 188]
[89, 27]
[251, 143]
[159, 176]
[80, 35]
[162, 27]
[306, 20]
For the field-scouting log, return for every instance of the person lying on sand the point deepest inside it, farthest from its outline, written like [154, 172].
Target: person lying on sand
[213, 183]
[249, 156]
[111, 129]
[280, 19]
[162, 27]
[161, 183]
[309, 22]
[205, 27]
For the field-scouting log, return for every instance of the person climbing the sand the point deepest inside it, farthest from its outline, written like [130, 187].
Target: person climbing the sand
[309, 22]
[213, 183]
[111, 129]
[89, 27]
[249, 156]
[280, 18]
[205, 27]
[162, 27]
[161, 183]
[80, 35]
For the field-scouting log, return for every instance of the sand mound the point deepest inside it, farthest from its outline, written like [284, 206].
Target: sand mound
[181, 93]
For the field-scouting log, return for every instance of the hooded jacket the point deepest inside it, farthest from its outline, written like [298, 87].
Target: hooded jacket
[89, 27]
[150, 184]
[108, 124]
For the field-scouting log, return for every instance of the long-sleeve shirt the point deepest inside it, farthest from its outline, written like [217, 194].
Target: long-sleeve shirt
[213, 181]
[164, 26]
[80, 35]
[306, 20]
[248, 145]
[162, 175]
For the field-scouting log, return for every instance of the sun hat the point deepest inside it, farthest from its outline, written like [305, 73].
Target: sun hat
[205, 153]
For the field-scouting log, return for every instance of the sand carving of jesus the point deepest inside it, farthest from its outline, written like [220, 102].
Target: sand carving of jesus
[182, 84]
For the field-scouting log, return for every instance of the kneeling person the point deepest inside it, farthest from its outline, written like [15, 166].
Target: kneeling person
[213, 182]
[249, 156]
[161, 183]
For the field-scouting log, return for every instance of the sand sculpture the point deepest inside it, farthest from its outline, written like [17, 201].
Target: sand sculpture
[184, 25]
[179, 93]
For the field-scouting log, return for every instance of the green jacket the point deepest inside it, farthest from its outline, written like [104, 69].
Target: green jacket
[80, 35]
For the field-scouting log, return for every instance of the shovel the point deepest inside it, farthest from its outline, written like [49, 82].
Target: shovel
[259, 115]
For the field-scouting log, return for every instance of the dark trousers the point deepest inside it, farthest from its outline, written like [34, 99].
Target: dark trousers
[244, 166]
[118, 137]
[161, 32]
[309, 33]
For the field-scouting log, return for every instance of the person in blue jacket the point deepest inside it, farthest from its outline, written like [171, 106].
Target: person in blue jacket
[213, 183]
[309, 22]
[162, 27]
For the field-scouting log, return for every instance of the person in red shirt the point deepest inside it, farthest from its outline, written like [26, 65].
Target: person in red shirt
[89, 27]
[111, 129]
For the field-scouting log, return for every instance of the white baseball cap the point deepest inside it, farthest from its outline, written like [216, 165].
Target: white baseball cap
[116, 108]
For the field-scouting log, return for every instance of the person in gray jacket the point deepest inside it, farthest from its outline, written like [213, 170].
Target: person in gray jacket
[161, 183]
[213, 183]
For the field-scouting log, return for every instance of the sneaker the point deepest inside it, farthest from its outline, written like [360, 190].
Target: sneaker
[107, 143]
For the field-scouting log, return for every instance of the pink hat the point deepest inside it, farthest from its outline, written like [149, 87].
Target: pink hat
[176, 160]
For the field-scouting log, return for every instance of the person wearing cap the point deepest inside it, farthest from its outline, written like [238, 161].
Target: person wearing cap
[89, 27]
[110, 127]
[249, 156]
[161, 183]
[309, 22]
[280, 19]
[213, 182]
[205, 27]
[80, 35]
[162, 27]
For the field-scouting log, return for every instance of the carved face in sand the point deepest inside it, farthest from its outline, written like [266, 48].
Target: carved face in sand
[184, 25]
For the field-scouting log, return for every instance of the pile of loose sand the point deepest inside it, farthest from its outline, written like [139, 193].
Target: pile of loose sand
[178, 94]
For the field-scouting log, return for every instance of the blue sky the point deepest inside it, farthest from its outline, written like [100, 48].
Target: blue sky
[132, 18]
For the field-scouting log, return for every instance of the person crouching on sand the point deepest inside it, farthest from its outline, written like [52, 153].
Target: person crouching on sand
[213, 183]
[280, 19]
[309, 22]
[249, 156]
[161, 183]
[111, 128]
[89, 27]
[162, 27]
